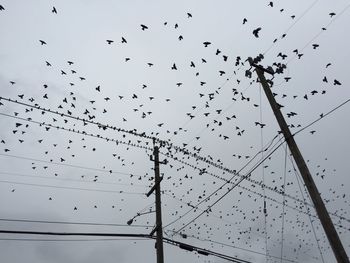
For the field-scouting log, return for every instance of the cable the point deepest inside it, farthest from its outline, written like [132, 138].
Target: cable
[293, 24]
[283, 202]
[70, 180]
[143, 236]
[71, 240]
[72, 188]
[240, 248]
[263, 171]
[322, 116]
[331, 111]
[76, 165]
[84, 133]
[64, 164]
[68, 223]
[319, 33]
[229, 190]
[307, 210]
[218, 189]
[104, 126]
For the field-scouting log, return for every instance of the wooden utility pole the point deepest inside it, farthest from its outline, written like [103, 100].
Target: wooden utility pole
[321, 210]
[156, 187]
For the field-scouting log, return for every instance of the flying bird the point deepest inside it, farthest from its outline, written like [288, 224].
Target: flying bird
[206, 44]
[42, 42]
[256, 32]
[109, 41]
[54, 10]
[245, 20]
[144, 27]
[124, 40]
[336, 82]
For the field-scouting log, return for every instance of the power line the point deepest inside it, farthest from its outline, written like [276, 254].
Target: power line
[103, 126]
[98, 136]
[70, 180]
[293, 24]
[307, 210]
[69, 223]
[71, 240]
[84, 133]
[71, 188]
[95, 168]
[143, 236]
[284, 194]
[241, 248]
[321, 31]
[65, 164]
[322, 116]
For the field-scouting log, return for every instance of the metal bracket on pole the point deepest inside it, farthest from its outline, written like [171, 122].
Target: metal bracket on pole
[154, 187]
[153, 231]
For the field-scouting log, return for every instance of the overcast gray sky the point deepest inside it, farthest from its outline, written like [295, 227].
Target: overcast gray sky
[164, 82]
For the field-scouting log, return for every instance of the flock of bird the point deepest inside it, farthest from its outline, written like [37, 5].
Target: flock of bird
[257, 205]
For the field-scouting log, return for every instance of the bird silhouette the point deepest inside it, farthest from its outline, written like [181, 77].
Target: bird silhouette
[336, 82]
[206, 44]
[143, 27]
[109, 41]
[54, 10]
[256, 32]
[42, 42]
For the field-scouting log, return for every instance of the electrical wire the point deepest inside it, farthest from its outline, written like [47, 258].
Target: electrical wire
[71, 188]
[69, 180]
[322, 116]
[143, 236]
[320, 32]
[284, 199]
[70, 223]
[292, 25]
[64, 164]
[263, 172]
[76, 131]
[307, 211]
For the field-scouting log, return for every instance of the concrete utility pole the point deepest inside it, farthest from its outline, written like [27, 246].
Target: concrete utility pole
[156, 187]
[321, 210]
